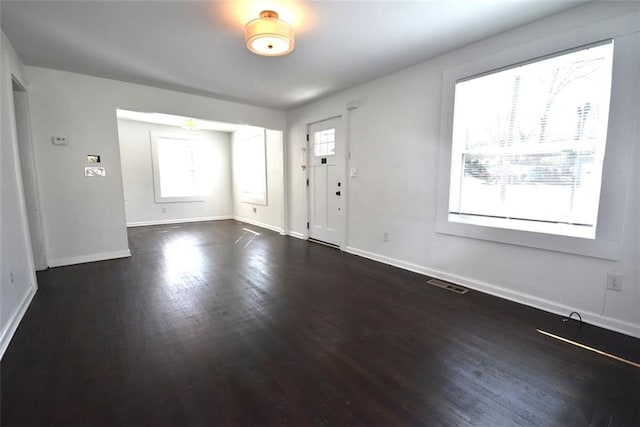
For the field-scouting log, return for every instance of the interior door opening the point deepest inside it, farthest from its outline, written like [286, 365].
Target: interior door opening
[178, 169]
[28, 171]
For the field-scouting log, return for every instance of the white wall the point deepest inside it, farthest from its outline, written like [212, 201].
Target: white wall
[393, 138]
[137, 172]
[17, 270]
[271, 215]
[83, 109]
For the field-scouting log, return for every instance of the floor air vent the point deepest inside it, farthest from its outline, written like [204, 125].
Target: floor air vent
[448, 286]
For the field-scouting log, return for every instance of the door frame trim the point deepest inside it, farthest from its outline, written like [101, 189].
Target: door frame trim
[25, 146]
[338, 116]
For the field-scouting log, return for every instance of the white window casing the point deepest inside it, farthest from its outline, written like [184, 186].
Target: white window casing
[581, 229]
[529, 142]
[251, 163]
[177, 167]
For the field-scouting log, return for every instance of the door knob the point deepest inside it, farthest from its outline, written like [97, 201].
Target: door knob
[337, 193]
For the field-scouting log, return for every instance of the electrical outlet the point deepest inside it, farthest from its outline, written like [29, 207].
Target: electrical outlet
[164, 210]
[385, 236]
[614, 281]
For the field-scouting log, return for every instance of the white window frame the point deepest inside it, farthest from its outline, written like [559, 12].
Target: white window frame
[617, 162]
[525, 223]
[195, 140]
[258, 197]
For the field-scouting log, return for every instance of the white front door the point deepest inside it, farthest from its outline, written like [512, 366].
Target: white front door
[326, 181]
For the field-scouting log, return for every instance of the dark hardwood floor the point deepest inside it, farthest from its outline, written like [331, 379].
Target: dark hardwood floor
[209, 325]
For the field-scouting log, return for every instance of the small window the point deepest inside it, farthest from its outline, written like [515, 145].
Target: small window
[528, 144]
[175, 167]
[324, 143]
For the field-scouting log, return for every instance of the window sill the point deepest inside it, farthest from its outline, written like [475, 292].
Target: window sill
[595, 248]
[582, 232]
[179, 199]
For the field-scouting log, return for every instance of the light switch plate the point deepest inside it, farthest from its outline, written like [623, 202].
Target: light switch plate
[95, 171]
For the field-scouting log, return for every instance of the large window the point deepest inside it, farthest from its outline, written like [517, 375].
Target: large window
[176, 173]
[528, 144]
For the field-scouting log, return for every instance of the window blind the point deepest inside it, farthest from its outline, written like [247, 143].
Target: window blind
[529, 140]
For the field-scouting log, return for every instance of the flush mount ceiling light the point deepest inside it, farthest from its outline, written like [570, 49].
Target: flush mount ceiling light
[268, 35]
[190, 124]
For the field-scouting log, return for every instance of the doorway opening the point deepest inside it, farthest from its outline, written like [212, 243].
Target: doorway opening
[28, 172]
[178, 169]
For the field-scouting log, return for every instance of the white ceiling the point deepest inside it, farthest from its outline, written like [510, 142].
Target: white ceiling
[198, 47]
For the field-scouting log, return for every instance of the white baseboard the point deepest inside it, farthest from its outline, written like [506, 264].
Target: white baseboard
[178, 221]
[259, 224]
[626, 328]
[81, 259]
[297, 235]
[12, 325]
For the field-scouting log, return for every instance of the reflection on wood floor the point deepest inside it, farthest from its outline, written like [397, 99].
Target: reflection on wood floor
[201, 327]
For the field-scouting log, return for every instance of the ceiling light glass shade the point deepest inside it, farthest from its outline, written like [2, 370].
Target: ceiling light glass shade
[268, 35]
